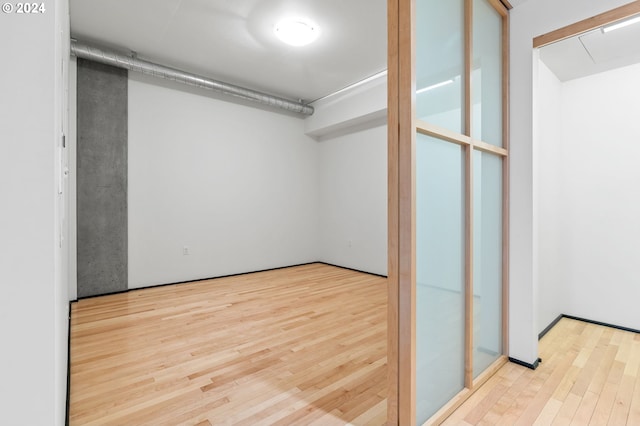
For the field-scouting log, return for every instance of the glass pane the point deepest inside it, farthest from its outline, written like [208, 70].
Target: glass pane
[487, 260]
[440, 273]
[440, 62]
[486, 74]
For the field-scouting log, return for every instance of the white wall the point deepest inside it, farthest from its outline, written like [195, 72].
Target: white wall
[600, 196]
[352, 134]
[593, 213]
[34, 303]
[353, 200]
[549, 150]
[234, 183]
[292, 200]
[529, 20]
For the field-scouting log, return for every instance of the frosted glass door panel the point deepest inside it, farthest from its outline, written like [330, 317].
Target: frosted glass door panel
[440, 273]
[440, 62]
[486, 74]
[487, 260]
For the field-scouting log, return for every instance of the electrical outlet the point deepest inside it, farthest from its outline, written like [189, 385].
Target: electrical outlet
[185, 251]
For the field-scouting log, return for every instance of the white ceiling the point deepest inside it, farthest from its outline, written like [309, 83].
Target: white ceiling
[233, 40]
[593, 52]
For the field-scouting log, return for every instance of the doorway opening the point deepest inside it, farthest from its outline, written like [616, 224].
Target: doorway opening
[586, 99]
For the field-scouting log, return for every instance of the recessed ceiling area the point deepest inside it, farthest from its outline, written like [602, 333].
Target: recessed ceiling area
[235, 42]
[593, 52]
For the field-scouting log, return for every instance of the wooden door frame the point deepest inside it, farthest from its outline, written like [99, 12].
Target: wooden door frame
[608, 17]
[401, 218]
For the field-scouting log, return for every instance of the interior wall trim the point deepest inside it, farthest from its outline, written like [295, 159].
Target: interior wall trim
[526, 364]
[68, 402]
[352, 269]
[555, 321]
[550, 326]
[196, 280]
[221, 276]
[617, 327]
[604, 324]
[588, 24]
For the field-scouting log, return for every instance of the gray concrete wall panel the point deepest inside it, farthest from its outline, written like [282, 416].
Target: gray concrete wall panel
[101, 179]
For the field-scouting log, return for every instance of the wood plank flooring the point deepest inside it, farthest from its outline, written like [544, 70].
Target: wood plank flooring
[303, 345]
[307, 346]
[589, 376]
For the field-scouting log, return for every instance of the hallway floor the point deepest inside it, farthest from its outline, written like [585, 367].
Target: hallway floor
[589, 375]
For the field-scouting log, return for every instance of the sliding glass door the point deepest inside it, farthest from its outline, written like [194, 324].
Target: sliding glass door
[440, 273]
[448, 176]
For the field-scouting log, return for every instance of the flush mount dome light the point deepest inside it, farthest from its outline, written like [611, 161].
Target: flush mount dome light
[297, 32]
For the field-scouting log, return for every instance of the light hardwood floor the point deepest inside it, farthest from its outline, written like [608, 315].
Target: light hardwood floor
[589, 376]
[303, 345]
[307, 345]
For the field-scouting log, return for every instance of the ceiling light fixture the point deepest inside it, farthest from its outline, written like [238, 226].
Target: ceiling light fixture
[434, 86]
[621, 24]
[297, 32]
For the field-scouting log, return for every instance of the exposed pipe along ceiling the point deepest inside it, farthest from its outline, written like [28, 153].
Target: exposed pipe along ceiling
[116, 59]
